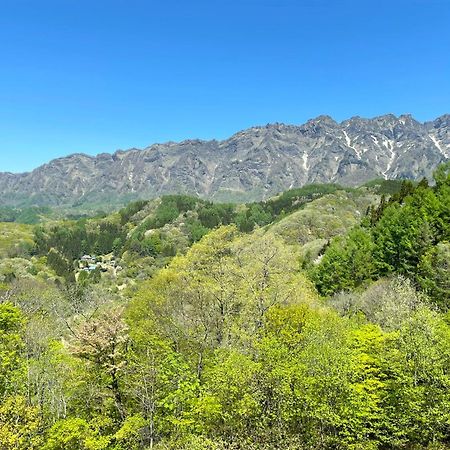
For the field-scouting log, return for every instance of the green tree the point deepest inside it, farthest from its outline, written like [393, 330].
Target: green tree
[101, 341]
[346, 264]
[12, 363]
[401, 236]
[60, 264]
[75, 433]
[20, 425]
[434, 274]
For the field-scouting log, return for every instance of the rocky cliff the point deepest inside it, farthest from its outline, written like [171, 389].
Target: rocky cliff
[252, 164]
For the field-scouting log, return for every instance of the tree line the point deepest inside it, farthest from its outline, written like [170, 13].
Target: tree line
[408, 235]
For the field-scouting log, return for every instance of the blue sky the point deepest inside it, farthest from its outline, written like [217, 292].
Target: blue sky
[95, 76]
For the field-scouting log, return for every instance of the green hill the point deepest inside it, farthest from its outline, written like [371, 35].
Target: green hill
[318, 319]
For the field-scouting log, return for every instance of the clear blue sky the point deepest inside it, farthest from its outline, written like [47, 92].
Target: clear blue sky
[94, 76]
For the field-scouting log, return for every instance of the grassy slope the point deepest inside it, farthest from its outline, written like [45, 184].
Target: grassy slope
[13, 237]
[334, 214]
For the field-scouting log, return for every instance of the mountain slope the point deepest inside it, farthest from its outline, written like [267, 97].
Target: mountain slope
[251, 165]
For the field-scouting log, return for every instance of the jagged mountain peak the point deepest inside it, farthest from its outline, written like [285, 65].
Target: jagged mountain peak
[442, 121]
[323, 119]
[252, 164]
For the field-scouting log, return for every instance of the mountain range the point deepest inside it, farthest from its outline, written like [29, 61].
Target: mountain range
[253, 164]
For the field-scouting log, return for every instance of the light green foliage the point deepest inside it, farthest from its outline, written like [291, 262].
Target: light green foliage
[211, 335]
[129, 436]
[442, 174]
[387, 302]
[303, 360]
[230, 401]
[78, 434]
[15, 239]
[96, 434]
[425, 348]
[223, 281]
[331, 215]
[192, 442]
[20, 425]
[11, 347]
[12, 269]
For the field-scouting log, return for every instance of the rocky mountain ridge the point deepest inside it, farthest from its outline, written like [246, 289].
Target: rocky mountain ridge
[252, 164]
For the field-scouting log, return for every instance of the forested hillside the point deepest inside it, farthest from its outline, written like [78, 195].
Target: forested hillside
[318, 319]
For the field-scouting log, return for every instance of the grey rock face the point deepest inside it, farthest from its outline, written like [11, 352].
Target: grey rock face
[251, 165]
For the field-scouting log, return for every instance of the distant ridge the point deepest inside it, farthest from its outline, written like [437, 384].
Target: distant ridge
[252, 164]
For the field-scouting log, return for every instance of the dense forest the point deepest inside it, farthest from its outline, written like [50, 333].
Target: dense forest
[318, 319]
